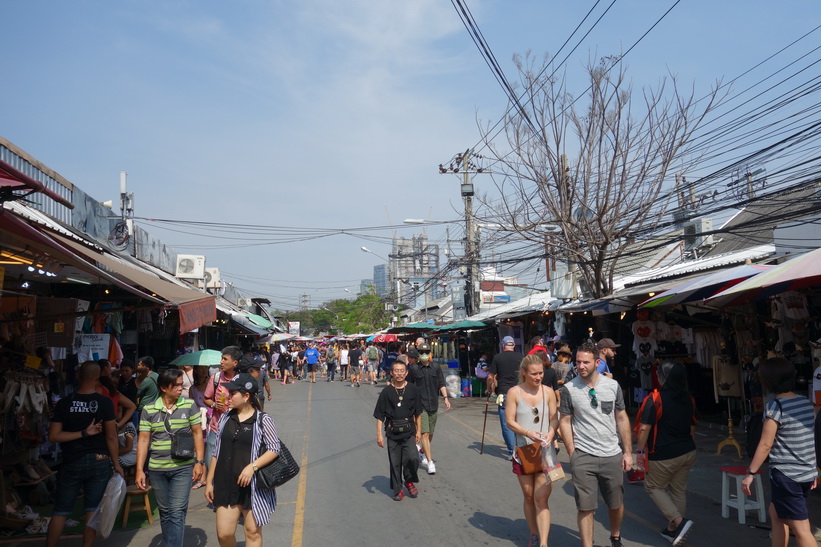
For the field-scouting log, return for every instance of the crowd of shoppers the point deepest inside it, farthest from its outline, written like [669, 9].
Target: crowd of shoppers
[551, 394]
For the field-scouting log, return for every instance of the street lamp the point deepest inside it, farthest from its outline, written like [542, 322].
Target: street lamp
[366, 250]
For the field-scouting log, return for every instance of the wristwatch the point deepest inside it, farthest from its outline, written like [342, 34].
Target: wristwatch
[201, 462]
[254, 466]
[750, 472]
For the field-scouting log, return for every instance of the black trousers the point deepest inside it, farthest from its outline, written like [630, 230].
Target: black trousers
[404, 462]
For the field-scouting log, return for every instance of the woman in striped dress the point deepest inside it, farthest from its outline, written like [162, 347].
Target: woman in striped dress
[788, 438]
[231, 483]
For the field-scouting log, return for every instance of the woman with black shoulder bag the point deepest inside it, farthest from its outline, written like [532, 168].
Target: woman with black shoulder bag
[231, 485]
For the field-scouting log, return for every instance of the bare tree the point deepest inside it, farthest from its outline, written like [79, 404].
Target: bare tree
[590, 173]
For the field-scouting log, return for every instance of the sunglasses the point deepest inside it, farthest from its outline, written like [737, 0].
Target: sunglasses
[535, 415]
[594, 402]
[424, 353]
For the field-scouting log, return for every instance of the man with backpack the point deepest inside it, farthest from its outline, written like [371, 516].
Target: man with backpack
[665, 430]
[372, 365]
[216, 396]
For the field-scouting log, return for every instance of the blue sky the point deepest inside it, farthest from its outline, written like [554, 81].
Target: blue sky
[317, 113]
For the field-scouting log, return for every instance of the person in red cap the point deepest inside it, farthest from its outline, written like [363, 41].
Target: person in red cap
[607, 352]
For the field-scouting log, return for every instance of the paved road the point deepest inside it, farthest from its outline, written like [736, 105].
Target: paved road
[342, 496]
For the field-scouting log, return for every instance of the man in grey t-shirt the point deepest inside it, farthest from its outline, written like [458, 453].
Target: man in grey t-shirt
[593, 419]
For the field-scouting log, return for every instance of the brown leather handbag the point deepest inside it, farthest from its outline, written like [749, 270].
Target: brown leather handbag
[530, 455]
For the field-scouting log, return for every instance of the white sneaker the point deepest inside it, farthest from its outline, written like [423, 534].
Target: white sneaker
[431, 468]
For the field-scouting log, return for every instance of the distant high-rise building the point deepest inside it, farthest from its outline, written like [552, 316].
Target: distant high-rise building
[365, 286]
[381, 280]
[414, 261]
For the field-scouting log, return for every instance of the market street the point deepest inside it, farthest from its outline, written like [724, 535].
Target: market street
[342, 496]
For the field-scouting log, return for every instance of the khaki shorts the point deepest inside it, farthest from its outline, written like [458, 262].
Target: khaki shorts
[428, 422]
[590, 472]
[355, 369]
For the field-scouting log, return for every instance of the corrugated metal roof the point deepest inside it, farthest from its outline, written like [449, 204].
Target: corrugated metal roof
[701, 265]
[533, 302]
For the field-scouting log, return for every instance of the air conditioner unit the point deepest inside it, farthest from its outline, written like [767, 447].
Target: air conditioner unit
[190, 267]
[391, 307]
[244, 302]
[693, 233]
[212, 278]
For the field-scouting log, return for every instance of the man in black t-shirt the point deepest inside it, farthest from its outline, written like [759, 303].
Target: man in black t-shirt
[399, 410]
[503, 375]
[354, 357]
[85, 427]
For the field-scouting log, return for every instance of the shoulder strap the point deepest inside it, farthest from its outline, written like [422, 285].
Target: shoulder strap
[654, 396]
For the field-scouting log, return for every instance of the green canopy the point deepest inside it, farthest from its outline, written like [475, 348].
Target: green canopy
[465, 324]
[258, 320]
[414, 327]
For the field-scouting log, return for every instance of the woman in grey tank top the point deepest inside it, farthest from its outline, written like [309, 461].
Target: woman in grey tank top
[530, 411]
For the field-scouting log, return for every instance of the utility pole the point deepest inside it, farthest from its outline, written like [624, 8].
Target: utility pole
[462, 162]
[472, 286]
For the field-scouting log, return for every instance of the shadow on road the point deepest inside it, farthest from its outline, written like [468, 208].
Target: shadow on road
[379, 483]
[502, 527]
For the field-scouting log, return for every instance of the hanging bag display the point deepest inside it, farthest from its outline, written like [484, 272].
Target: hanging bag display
[279, 471]
[530, 455]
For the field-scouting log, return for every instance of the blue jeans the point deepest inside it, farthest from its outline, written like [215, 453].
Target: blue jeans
[172, 489]
[509, 436]
[210, 446]
[89, 473]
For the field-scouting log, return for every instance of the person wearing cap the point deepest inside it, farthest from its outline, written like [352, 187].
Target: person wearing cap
[562, 364]
[430, 382]
[607, 349]
[398, 411]
[171, 477]
[252, 366]
[216, 396]
[503, 375]
[231, 482]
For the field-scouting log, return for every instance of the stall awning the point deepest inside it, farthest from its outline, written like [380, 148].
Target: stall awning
[195, 308]
[11, 177]
[30, 235]
[259, 321]
[252, 323]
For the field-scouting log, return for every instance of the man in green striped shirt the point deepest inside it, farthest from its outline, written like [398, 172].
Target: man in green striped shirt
[171, 414]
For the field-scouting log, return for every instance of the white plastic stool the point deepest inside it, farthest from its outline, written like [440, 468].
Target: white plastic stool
[741, 502]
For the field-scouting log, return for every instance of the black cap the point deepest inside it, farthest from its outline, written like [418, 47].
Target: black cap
[243, 382]
[423, 348]
[413, 352]
[247, 362]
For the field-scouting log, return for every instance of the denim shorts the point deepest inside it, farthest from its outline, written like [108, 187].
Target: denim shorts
[89, 472]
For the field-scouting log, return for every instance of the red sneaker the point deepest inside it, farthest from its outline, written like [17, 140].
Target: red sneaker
[399, 496]
[412, 491]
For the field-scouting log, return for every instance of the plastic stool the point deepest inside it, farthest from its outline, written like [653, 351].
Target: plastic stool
[741, 502]
[133, 492]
